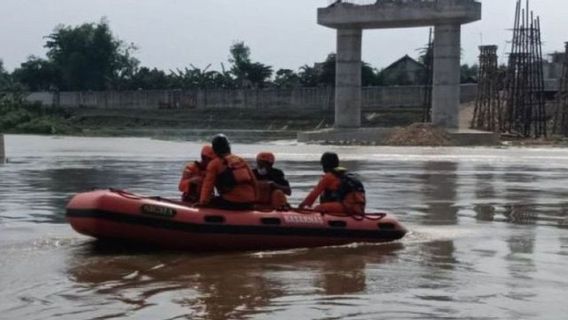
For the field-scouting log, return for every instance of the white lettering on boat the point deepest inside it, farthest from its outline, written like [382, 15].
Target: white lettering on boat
[155, 210]
[303, 219]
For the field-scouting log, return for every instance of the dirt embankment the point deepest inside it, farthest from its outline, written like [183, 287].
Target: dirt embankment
[246, 119]
[419, 134]
[113, 122]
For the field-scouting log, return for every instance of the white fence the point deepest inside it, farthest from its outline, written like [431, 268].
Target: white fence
[371, 2]
[275, 99]
[356, 2]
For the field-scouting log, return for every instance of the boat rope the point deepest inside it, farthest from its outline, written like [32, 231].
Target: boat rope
[357, 217]
[127, 194]
[132, 196]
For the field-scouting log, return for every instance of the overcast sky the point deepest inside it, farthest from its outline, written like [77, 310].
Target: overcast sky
[283, 33]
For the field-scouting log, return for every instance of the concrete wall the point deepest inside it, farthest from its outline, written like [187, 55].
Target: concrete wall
[286, 99]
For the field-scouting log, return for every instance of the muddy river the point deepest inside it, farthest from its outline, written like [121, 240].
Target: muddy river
[489, 238]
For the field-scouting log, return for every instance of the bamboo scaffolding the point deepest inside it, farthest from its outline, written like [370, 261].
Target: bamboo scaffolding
[428, 79]
[525, 112]
[487, 112]
[561, 114]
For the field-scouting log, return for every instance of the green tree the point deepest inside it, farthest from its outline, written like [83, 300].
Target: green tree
[149, 79]
[309, 76]
[246, 72]
[37, 74]
[194, 78]
[469, 74]
[369, 76]
[4, 77]
[327, 71]
[286, 78]
[89, 57]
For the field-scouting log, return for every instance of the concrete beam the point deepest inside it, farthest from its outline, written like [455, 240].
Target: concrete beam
[446, 82]
[401, 14]
[348, 79]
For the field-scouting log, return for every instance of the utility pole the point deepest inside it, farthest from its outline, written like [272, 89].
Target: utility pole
[2, 150]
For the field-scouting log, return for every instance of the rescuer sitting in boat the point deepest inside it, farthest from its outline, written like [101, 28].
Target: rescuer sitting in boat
[272, 186]
[341, 192]
[231, 176]
[193, 175]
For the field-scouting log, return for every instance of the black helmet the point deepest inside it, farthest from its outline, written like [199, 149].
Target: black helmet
[329, 161]
[221, 145]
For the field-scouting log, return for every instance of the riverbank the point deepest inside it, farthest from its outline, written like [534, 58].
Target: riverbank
[489, 237]
[402, 127]
[34, 119]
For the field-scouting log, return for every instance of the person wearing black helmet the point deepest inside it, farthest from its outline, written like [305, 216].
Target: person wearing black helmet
[341, 192]
[231, 176]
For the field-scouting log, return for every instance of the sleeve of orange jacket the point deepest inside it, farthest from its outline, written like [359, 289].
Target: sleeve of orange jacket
[189, 172]
[254, 181]
[325, 182]
[209, 181]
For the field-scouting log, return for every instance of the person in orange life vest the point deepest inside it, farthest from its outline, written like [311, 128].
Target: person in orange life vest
[231, 176]
[331, 187]
[272, 186]
[193, 174]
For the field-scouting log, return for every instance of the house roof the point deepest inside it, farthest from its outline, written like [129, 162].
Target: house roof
[405, 59]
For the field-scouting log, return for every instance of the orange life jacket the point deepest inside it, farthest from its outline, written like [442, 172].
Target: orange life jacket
[233, 179]
[191, 181]
[236, 172]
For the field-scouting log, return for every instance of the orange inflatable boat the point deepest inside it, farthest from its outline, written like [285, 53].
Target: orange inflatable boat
[119, 215]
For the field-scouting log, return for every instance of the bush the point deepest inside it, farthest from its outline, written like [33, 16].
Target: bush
[38, 126]
[45, 125]
[20, 117]
[11, 118]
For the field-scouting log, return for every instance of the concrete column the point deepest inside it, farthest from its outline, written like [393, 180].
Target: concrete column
[348, 79]
[446, 84]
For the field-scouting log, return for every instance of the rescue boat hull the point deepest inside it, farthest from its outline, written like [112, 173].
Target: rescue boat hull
[122, 216]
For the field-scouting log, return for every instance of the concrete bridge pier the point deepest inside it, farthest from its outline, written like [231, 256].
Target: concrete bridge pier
[348, 78]
[350, 17]
[446, 82]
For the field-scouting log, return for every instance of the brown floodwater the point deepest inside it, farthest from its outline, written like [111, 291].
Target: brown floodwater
[489, 238]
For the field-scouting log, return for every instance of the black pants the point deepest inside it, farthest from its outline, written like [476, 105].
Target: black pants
[220, 203]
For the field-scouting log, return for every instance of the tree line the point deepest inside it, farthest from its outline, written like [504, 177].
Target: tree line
[90, 57]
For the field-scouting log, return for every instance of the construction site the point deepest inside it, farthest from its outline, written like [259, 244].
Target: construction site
[522, 99]
[512, 98]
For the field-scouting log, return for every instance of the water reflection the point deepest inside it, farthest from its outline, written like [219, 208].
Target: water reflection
[563, 215]
[439, 182]
[485, 182]
[344, 276]
[345, 272]
[521, 199]
[439, 262]
[220, 286]
[521, 268]
[51, 186]
[564, 246]
[521, 209]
